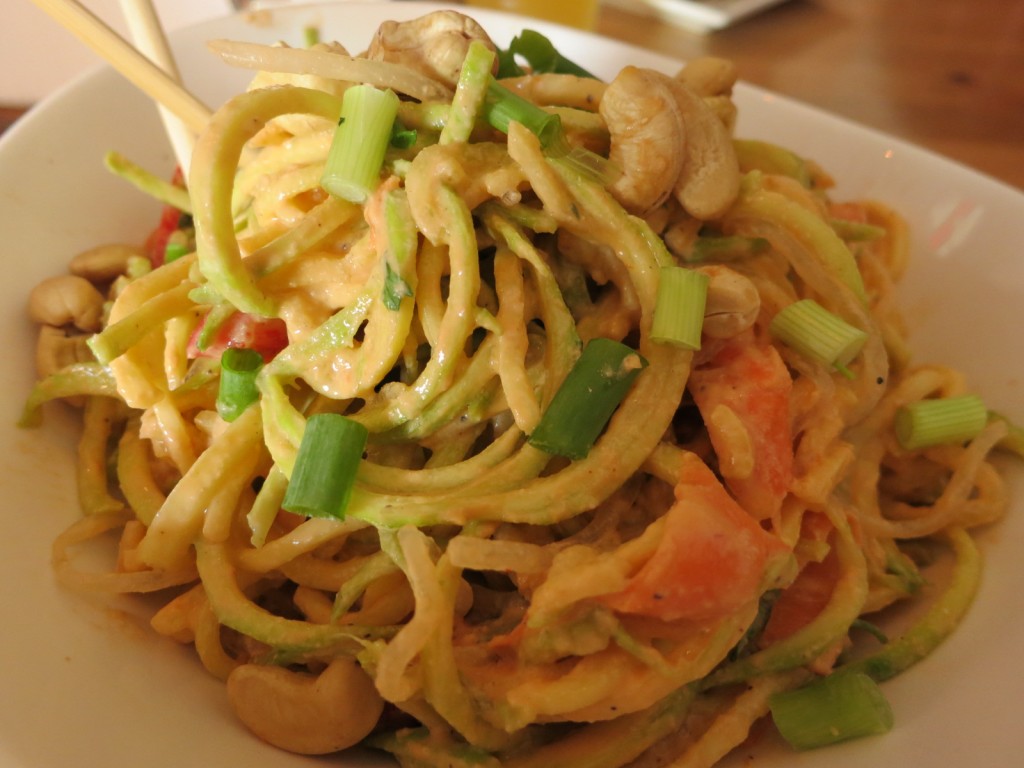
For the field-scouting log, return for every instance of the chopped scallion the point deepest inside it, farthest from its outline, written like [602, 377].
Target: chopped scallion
[679, 310]
[845, 705]
[940, 421]
[238, 370]
[178, 244]
[813, 331]
[402, 137]
[542, 56]
[357, 153]
[587, 398]
[325, 468]
[503, 107]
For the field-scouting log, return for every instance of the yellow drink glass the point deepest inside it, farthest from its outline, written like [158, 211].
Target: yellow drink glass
[574, 13]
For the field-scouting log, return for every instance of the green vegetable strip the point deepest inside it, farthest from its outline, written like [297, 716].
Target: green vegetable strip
[400, 255]
[98, 420]
[289, 638]
[940, 621]
[614, 742]
[214, 163]
[114, 340]
[940, 421]
[456, 325]
[725, 248]
[782, 216]
[771, 158]
[679, 311]
[587, 398]
[75, 379]
[357, 153]
[238, 369]
[149, 183]
[266, 506]
[818, 334]
[325, 469]
[842, 706]
[470, 93]
[212, 323]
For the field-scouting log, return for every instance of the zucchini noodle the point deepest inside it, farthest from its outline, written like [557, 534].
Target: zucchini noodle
[745, 509]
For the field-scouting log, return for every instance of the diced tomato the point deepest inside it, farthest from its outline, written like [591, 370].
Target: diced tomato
[156, 243]
[710, 560]
[803, 600]
[268, 336]
[752, 380]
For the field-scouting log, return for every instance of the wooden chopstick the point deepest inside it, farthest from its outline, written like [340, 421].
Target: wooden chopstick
[148, 34]
[135, 67]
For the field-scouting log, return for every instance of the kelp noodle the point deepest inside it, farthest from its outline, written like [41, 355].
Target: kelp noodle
[741, 512]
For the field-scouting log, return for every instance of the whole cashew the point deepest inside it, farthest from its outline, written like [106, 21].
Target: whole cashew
[306, 714]
[709, 75]
[647, 137]
[55, 349]
[710, 179]
[66, 300]
[434, 44]
[732, 302]
[104, 262]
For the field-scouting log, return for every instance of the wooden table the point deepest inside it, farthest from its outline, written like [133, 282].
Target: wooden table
[945, 74]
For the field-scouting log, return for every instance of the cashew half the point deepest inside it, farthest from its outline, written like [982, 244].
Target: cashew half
[733, 302]
[66, 300]
[306, 714]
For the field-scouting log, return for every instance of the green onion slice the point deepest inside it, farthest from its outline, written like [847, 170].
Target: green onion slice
[357, 152]
[814, 332]
[588, 397]
[842, 706]
[679, 309]
[940, 421]
[542, 56]
[503, 107]
[238, 370]
[325, 468]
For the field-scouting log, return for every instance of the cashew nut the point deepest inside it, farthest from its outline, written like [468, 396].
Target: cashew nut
[709, 76]
[710, 179]
[647, 138]
[103, 263]
[302, 713]
[434, 44]
[55, 349]
[66, 300]
[733, 302]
